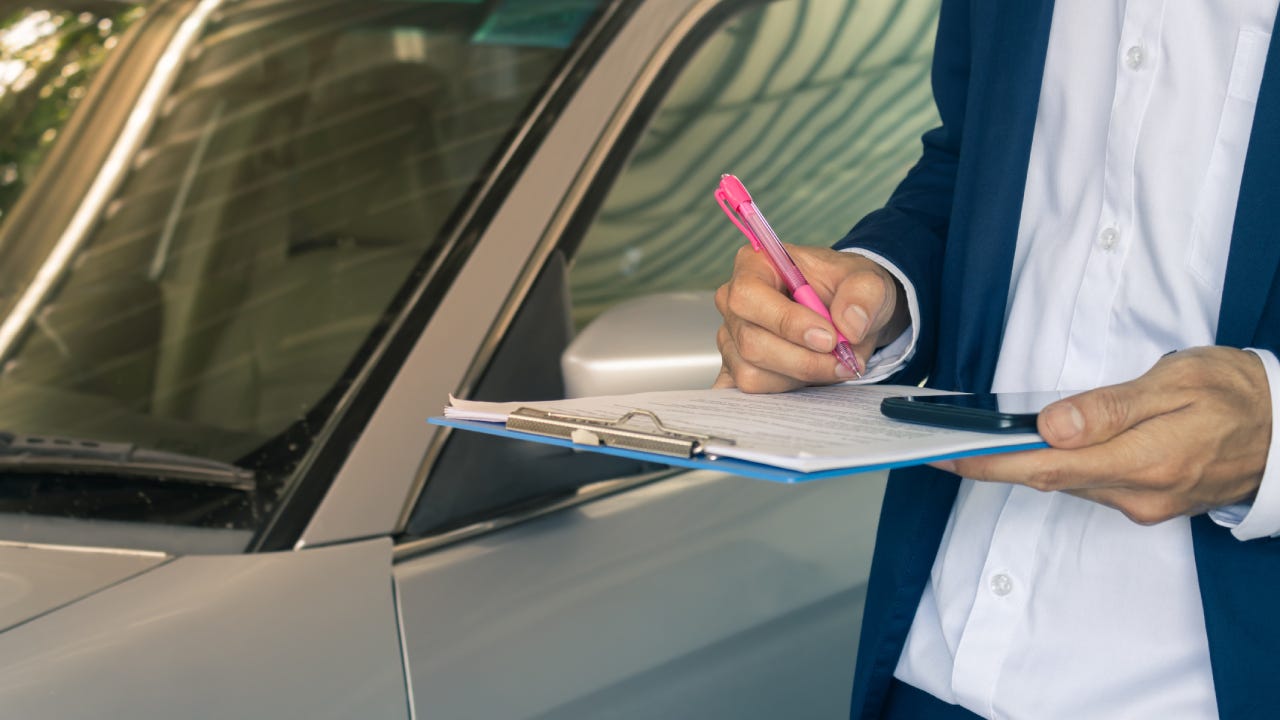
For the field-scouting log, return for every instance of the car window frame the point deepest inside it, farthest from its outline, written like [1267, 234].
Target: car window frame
[564, 233]
[460, 235]
[382, 472]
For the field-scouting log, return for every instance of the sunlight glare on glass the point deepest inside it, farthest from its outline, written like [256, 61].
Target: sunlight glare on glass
[27, 32]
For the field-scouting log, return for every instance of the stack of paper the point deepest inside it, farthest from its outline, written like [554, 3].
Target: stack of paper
[801, 435]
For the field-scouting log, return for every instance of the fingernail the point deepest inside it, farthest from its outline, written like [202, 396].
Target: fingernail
[1063, 420]
[842, 371]
[819, 340]
[856, 320]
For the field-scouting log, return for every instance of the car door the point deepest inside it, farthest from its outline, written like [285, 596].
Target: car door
[535, 583]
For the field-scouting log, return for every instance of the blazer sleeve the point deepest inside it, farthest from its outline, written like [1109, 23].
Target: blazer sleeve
[910, 231]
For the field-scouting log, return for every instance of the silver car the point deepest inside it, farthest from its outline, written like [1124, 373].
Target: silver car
[247, 247]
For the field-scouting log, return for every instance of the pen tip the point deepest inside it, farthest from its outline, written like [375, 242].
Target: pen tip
[844, 353]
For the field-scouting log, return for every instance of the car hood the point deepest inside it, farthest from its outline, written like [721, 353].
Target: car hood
[294, 634]
[35, 579]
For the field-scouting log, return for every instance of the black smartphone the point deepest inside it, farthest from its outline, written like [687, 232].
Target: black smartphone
[983, 412]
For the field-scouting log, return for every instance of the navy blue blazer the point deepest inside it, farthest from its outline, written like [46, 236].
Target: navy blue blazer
[951, 226]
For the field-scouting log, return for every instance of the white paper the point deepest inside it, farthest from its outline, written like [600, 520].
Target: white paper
[807, 430]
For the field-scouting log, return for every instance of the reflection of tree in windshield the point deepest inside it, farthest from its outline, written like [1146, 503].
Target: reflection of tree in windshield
[47, 58]
[210, 265]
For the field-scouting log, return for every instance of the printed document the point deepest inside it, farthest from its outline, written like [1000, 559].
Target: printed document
[806, 430]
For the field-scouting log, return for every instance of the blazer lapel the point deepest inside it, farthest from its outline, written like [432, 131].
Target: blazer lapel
[1239, 580]
[1238, 585]
[1255, 251]
[984, 229]
[1007, 73]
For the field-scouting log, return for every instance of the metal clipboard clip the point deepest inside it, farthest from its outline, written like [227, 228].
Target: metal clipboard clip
[661, 439]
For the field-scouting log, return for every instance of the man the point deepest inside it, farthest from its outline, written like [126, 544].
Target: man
[1097, 213]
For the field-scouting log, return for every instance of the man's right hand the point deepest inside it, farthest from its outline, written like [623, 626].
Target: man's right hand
[768, 343]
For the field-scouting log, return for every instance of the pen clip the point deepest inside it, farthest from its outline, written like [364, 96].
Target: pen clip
[722, 197]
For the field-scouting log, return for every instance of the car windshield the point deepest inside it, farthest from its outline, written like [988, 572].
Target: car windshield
[212, 286]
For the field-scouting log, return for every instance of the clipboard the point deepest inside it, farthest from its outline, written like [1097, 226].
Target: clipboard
[662, 444]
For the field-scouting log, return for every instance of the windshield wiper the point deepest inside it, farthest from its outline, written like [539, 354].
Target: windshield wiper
[50, 454]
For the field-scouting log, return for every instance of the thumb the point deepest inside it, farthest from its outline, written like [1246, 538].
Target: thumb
[1095, 416]
[864, 302]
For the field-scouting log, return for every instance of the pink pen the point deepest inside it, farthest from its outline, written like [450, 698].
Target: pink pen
[736, 203]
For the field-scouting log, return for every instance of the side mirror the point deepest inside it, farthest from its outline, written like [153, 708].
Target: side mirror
[665, 341]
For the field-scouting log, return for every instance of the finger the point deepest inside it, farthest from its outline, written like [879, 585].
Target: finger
[1098, 415]
[1143, 508]
[1161, 468]
[749, 264]
[766, 351]
[1014, 468]
[1125, 461]
[748, 376]
[748, 293]
[1141, 460]
[750, 302]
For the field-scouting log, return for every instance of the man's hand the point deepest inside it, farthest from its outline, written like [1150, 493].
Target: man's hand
[768, 343]
[1189, 435]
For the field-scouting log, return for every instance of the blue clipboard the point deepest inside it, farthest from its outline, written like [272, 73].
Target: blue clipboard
[701, 461]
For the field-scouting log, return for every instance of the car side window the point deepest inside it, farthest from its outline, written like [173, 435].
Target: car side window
[817, 106]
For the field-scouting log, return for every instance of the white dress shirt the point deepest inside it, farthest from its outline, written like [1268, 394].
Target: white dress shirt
[1043, 605]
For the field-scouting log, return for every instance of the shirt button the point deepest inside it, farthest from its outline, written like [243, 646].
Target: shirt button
[1108, 238]
[1001, 584]
[1134, 57]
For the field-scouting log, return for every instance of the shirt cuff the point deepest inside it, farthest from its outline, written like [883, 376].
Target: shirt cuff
[892, 357]
[1261, 518]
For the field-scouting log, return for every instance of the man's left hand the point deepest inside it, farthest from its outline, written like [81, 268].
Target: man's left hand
[1189, 435]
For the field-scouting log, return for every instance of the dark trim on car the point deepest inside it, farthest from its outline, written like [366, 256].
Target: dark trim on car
[409, 548]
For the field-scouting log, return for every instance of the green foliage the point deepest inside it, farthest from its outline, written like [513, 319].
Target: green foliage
[48, 57]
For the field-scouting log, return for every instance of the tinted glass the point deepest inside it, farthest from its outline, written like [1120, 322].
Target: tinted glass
[299, 174]
[817, 106]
